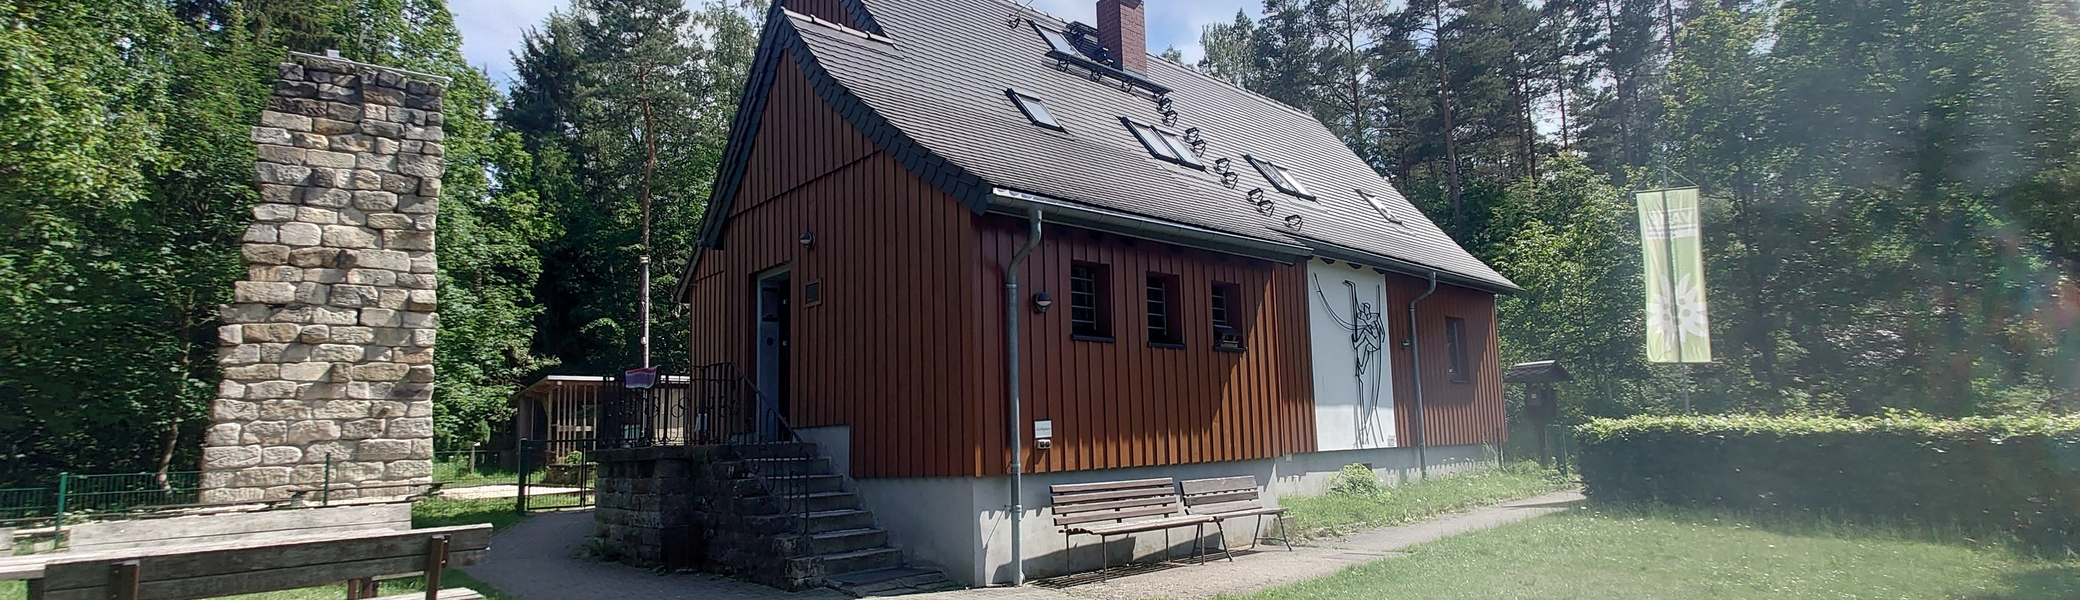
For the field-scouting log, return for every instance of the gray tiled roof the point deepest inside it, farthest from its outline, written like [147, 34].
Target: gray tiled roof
[935, 89]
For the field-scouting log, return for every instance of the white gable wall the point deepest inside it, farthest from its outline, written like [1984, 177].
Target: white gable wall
[1353, 382]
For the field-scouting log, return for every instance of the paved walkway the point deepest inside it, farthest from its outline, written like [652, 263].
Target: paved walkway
[542, 558]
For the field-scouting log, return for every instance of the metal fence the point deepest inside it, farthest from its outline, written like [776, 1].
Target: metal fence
[555, 474]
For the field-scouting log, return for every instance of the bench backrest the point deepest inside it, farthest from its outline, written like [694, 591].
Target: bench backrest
[242, 526]
[214, 570]
[1077, 503]
[1220, 494]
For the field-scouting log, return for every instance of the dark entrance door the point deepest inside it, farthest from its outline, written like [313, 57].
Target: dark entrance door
[774, 323]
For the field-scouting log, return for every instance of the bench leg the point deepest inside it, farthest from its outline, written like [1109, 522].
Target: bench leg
[436, 561]
[123, 580]
[1219, 526]
[1256, 533]
[1284, 535]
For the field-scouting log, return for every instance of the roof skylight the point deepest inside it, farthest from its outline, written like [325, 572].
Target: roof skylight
[1379, 205]
[1056, 41]
[1034, 109]
[1163, 144]
[1280, 177]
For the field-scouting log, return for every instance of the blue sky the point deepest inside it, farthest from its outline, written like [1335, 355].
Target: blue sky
[491, 28]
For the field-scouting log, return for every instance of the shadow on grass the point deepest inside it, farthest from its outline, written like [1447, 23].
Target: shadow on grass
[2060, 582]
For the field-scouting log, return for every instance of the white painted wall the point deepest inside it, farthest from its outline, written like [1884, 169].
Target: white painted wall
[963, 526]
[1352, 409]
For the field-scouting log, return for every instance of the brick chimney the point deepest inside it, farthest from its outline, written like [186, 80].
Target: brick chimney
[1123, 29]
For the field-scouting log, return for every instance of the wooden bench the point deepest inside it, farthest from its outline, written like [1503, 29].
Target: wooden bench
[197, 571]
[1236, 497]
[1110, 508]
[175, 529]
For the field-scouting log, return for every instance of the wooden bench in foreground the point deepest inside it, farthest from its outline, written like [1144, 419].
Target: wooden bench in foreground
[173, 529]
[1110, 508]
[195, 572]
[1225, 498]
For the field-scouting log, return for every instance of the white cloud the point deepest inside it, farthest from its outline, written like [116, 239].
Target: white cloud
[491, 30]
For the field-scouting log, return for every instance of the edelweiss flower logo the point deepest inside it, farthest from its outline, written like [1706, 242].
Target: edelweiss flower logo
[1679, 310]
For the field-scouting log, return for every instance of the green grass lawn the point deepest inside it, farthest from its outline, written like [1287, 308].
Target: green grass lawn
[436, 512]
[1333, 513]
[1604, 555]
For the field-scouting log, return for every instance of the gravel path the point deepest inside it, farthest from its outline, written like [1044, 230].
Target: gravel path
[542, 558]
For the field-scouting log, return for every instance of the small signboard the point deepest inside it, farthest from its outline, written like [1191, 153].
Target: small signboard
[642, 378]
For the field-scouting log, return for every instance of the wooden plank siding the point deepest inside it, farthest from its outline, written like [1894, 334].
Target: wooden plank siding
[906, 345]
[1456, 413]
[883, 349]
[1125, 403]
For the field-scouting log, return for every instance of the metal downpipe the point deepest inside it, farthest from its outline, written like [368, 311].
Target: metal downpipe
[1018, 442]
[1415, 357]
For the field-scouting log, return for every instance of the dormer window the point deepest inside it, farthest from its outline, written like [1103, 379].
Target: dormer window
[1379, 205]
[1280, 177]
[1034, 109]
[1163, 144]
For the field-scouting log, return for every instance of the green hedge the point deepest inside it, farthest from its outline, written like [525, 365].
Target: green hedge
[2010, 473]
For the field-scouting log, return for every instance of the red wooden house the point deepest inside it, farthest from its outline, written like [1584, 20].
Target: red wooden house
[1218, 286]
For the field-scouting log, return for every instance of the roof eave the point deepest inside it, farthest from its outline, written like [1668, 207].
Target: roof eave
[1018, 203]
[1405, 267]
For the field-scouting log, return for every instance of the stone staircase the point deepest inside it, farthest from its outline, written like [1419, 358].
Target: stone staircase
[840, 547]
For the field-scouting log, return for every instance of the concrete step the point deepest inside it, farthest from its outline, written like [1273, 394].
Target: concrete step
[790, 466]
[839, 520]
[784, 485]
[891, 582]
[847, 540]
[861, 560]
[822, 501]
[777, 450]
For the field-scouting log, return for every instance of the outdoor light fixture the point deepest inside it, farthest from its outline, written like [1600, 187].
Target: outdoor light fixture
[1293, 221]
[1042, 301]
[808, 239]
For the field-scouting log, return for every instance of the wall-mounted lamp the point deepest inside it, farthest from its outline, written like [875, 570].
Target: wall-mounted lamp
[808, 240]
[1042, 301]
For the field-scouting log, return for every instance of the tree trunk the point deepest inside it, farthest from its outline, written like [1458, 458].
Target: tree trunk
[1444, 102]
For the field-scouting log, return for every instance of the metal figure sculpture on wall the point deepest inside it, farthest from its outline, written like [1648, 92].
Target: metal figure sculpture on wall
[1368, 336]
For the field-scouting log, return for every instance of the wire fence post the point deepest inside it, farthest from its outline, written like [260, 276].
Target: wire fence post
[520, 498]
[58, 518]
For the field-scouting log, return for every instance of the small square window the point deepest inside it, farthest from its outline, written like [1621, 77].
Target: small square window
[1280, 177]
[1090, 314]
[1034, 109]
[1455, 348]
[1163, 316]
[1055, 40]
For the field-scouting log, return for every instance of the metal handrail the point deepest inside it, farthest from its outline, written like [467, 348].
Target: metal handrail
[711, 408]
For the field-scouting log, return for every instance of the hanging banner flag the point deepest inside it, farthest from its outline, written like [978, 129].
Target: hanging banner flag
[1677, 330]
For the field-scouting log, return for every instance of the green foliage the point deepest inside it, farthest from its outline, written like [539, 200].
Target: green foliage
[1356, 480]
[1641, 555]
[1336, 513]
[448, 512]
[2014, 474]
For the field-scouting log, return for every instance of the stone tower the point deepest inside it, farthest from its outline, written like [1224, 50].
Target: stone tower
[328, 343]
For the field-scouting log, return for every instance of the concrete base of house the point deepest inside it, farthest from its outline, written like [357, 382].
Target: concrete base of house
[962, 524]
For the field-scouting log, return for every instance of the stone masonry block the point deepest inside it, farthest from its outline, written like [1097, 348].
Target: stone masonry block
[348, 236]
[407, 240]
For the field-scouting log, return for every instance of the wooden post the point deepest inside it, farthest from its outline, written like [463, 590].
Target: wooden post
[436, 561]
[123, 580]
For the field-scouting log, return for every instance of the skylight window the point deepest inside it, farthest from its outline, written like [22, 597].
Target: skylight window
[1379, 205]
[1163, 144]
[1034, 109]
[1055, 41]
[1280, 177]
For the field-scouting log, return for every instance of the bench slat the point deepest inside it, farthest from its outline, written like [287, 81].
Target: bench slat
[22, 567]
[1218, 484]
[307, 559]
[1060, 499]
[1114, 516]
[1075, 509]
[211, 528]
[1110, 485]
[196, 588]
[1221, 498]
[446, 594]
[1244, 512]
[1140, 526]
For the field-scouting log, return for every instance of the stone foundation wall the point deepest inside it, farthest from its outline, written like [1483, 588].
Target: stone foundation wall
[698, 507]
[328, 344]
